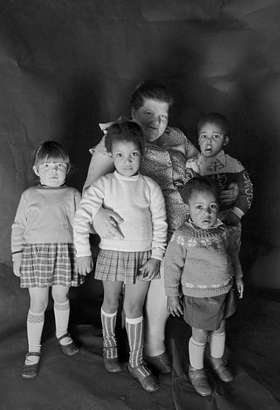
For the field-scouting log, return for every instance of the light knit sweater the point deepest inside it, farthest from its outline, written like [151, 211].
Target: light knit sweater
[201, 262]
[138, 200]
[44, 215]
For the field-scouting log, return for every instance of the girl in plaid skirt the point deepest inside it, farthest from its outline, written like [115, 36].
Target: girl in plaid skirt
[133, 260]
[42, 249]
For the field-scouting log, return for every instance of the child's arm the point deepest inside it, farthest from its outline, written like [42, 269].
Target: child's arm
[233, 237]
[157, 207]
[17, 235]
[90, 204]
[174, 262]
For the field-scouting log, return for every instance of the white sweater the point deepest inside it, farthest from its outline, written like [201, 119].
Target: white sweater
[138, 200]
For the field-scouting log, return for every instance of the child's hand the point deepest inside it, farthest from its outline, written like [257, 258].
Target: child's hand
[240, 287]
[174, 306]
[84, 265]
[230, 219]
[16, 263]
[106, 224]
[150, 269]
[229, 196]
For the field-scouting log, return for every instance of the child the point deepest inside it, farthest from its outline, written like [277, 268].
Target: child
[201, 260]
[133, 260]
[213, 136]
[43, 251]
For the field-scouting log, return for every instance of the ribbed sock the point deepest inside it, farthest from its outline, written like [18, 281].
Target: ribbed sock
[196, 353]
[35, 323]
[134, 328]
[217, 344]
[61, 314]
[108, 320]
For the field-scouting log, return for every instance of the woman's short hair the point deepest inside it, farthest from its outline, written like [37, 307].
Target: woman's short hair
[124, 130]
[150, 90]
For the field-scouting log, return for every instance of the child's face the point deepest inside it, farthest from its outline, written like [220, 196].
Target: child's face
[126, 157]
[203, 209]
[52, 173]
[211, 139]
[152, 116]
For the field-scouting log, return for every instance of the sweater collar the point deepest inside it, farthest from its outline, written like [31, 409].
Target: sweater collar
[124, 178]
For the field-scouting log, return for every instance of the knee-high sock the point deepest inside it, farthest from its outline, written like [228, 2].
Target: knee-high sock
[196, 353]
[61, 314]
[217, 344]
[108, 320]
[134, 328]
[156, 317]
[35, 323]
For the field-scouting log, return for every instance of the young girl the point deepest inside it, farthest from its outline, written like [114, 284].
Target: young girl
[42, 249]
[201, 260]
[133, 260]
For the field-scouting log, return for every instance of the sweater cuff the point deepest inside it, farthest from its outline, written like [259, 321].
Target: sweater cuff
[157, 253]
[238, 212]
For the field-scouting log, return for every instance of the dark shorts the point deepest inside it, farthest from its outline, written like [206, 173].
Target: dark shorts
[208, 313]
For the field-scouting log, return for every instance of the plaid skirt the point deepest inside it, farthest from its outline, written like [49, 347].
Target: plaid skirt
[208, 313]
[120, 266]
[48, 264]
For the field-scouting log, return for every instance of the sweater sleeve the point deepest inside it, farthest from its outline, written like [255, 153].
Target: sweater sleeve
[174, 262]
[90, 203]
[158, 212]
[245, 196]
[19, 226]
[233, 246]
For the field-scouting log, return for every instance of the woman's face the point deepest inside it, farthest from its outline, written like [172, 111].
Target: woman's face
[152, 116]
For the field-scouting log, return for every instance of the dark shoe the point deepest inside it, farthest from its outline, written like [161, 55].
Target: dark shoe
[148, 382]
[221, 369]
[112, 365]
[70, 349]
[199, 381]
[160, 363]
[30, 371]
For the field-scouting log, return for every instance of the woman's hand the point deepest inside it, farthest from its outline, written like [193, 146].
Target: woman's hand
[229, 196]
[150, 269]
[16, 263]
[174, 306]
[240, 287]
[106, 224]
[84, 265]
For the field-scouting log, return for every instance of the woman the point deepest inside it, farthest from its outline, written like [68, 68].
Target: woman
[166, 152]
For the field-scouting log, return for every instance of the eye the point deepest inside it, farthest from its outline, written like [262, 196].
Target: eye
[199, 207]
[62, 166]
[118, 155]
[135, 154]
[213, 207]
[216, 136]
[203, 137]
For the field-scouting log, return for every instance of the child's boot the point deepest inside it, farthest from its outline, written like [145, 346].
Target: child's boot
[199, 381]
[221, 369]
[136, 366]
[217, 348]
[110, 351]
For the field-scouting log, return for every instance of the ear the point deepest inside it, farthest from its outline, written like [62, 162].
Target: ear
[226, 140]
[35, 170]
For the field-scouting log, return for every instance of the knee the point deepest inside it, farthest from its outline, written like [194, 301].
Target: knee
[38, 304]
[133, 310]
[200, 335]
[60, 295]
[110, 303]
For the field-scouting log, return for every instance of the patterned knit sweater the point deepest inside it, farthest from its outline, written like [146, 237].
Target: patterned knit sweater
[201, 262]
[224, 169]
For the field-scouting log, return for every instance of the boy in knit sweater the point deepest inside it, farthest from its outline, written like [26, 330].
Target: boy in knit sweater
[202, 262]
[227, 172]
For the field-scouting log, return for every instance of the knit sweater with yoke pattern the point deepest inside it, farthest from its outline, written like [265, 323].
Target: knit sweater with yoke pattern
[201, 262]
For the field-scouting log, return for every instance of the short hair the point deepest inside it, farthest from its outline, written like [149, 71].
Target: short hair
[124, 130]
[198, 184]
[50, 150]
[150, 90]
[214, 118]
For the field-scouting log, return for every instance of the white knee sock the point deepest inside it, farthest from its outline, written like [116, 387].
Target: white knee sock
[134, 328]
[108, 320]
[217, 344]
[196, 353]
[35, 323]
[61, 314]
